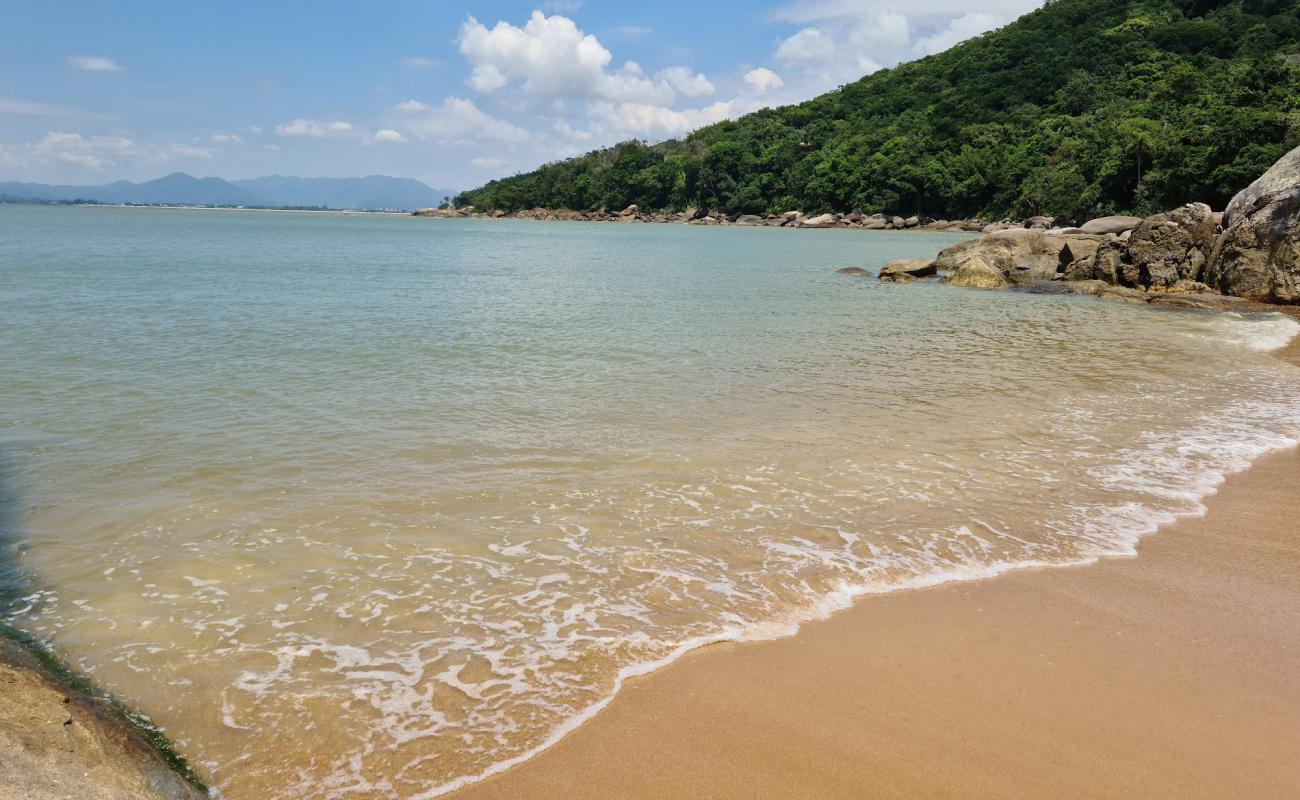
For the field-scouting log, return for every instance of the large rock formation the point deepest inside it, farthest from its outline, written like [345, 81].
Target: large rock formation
[1258, 254]
[976, 273]
[1162, 249]
[1021, 255]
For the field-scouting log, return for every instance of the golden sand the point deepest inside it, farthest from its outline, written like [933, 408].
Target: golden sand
[1175, 674]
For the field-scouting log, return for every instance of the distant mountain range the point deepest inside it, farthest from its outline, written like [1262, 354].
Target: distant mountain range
[375, 192]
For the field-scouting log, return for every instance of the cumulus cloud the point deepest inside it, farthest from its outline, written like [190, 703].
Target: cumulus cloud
[551, 58]
[314, 129]
[389, 135]
[455, 120]
[763, 79]
[227, 138]
[93, 64]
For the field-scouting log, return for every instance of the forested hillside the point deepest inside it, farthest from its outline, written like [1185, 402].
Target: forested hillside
[1081, 108]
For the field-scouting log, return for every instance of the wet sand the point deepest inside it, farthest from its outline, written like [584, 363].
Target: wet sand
[1175, 674]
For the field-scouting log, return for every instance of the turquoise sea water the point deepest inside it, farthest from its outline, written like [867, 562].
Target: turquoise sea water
[372, 505]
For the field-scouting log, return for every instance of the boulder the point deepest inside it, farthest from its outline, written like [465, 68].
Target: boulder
[976, 273]
[1039, 223]
[630, 211]
[1021, 255]
[1280, 177]
[898, 222]
[1104, 225]
[822, 221]
[1258, 254]
[791, 216]
[911, 222]
[1167, 248]
[853, 271]
[872, 224]
[749, 220]
[907, 270]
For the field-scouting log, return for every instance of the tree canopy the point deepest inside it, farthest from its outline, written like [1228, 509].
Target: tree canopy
[1081, 108]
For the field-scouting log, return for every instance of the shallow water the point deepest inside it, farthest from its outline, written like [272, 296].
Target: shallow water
[359, 505]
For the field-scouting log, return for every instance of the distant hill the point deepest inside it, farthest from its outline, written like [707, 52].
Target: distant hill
[373, 192]
[1078, 109]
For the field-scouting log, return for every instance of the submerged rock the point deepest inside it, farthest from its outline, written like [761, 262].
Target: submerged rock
[853, 271]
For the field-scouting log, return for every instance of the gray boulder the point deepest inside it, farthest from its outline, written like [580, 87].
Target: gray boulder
[1283, 175]
[1104, 225]
[1258, 254]
[1167, 248]
[1039, 223]
[749, 220]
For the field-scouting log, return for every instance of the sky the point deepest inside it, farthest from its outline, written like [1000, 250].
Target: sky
[451, 93]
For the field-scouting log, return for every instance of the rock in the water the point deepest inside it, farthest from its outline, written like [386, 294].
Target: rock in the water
[749, 220]
[853, 271]
[906, 270]
[976, 273]
[1104, 225]
[911, 222]
[1021, 255]
[630, 211]
[1258, 254]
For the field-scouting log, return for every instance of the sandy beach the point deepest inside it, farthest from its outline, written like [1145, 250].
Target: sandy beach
[1175, 674]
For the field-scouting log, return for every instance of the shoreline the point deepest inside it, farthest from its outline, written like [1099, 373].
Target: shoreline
[726, 749]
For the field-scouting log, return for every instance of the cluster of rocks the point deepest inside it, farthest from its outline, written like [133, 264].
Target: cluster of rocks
[697, 216]
[1190, 256]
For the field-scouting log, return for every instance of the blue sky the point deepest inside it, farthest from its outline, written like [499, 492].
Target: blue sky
[452, 93]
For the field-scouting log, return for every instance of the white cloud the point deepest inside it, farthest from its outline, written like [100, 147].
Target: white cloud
[488, 163]
[763, 79]
[93, 64]
[227, 138]
[456, 120]
[419, 62]
[686, 82]
[389, 135]
[92, 152]
[842, 40]
[550, 57]
[314, 129]
[644, 120]
[959, 30]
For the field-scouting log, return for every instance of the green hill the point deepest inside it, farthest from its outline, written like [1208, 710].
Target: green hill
[1082, 108]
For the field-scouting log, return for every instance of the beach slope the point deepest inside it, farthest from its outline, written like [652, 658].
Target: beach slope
[1171, 675]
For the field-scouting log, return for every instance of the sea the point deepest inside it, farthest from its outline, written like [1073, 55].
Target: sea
[376, 506]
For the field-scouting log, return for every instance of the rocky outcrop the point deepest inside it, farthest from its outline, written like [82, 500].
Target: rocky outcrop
[57, 744]
[908, 270]
[1104, 225]
[1168, 248]
[1021, 255]
[1258, 254]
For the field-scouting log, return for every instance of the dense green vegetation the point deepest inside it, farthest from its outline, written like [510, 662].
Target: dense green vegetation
[1081, 108]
